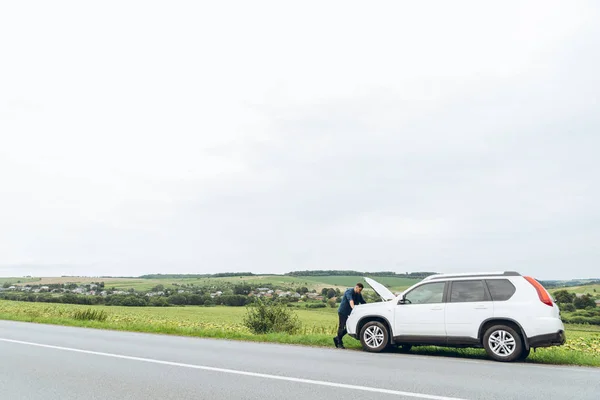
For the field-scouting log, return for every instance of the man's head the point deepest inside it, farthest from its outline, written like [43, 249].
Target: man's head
[359, 287]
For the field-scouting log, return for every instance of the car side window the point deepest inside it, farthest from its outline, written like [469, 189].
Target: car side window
[468, 291]
[426, 294]
[500, 289]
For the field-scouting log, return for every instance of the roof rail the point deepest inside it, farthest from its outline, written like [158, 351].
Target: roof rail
[472, 275]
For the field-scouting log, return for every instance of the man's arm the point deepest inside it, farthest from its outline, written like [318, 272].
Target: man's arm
[348, 296]
[362, 299]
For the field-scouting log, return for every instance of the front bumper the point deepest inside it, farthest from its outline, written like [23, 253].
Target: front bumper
[548, 340]
[353, 335]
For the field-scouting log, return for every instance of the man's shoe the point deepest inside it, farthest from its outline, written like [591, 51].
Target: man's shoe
[341, 344]
[336, 342]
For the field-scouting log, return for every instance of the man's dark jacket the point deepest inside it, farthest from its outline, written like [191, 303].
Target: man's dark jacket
[350, 294]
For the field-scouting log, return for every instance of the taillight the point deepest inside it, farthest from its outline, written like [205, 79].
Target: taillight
[542, 293]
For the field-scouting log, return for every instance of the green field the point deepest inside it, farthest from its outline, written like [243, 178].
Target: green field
[593, 290]
[18, 280]
[582, 348]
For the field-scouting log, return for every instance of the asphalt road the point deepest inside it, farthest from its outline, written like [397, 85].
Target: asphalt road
[54, 362]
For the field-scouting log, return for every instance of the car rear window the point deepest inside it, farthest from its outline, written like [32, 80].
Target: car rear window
[500, 289]
[467, 291]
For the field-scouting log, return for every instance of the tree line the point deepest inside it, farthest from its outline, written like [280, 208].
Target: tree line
[132, 300]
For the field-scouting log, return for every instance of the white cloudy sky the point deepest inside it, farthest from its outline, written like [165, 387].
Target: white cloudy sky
[208, 136]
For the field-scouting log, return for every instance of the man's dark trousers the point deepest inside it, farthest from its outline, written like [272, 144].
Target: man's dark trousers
[342, 326]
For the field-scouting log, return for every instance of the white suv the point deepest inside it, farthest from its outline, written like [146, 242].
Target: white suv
[504, 312]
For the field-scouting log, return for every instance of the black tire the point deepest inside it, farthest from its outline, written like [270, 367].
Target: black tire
[524, 354]
[509, 343]
[374, 337]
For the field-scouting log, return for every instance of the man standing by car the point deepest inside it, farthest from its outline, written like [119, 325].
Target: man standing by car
[352, 297]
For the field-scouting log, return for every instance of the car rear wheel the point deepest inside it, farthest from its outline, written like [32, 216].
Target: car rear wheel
[374, 336]
[503, 343]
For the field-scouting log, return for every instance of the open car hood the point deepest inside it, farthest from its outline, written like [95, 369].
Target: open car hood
[381, 290]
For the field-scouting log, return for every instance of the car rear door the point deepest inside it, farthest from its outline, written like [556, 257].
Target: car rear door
[469, 305]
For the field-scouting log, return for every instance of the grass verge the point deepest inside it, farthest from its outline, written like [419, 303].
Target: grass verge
[582, 348]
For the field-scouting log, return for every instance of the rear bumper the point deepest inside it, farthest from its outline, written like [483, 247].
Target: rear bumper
[550, 339]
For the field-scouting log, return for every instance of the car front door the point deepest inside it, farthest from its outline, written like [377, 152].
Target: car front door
[468, 305]
[420, 317]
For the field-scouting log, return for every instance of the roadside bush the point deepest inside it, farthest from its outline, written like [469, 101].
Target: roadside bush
[264, 318]
[316, 305]
[90, 315]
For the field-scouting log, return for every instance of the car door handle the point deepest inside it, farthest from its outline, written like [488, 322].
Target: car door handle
[481, 307]
[438, 308]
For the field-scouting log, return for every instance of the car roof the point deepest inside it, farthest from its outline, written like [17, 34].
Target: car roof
[472, 275]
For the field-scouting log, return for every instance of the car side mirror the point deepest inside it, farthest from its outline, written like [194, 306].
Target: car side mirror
[402, 299]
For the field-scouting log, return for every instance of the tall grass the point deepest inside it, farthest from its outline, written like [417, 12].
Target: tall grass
[90, 315]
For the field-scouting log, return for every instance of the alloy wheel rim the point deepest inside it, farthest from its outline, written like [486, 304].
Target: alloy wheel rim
[502, 343]
[374, 336]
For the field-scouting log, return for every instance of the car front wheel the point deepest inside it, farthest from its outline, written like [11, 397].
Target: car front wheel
[503, 343]
[374, 336]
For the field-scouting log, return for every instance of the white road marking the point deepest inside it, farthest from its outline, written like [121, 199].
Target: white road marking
[244, 373]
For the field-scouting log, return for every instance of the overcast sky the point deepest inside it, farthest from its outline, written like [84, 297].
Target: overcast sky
[197, 137]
